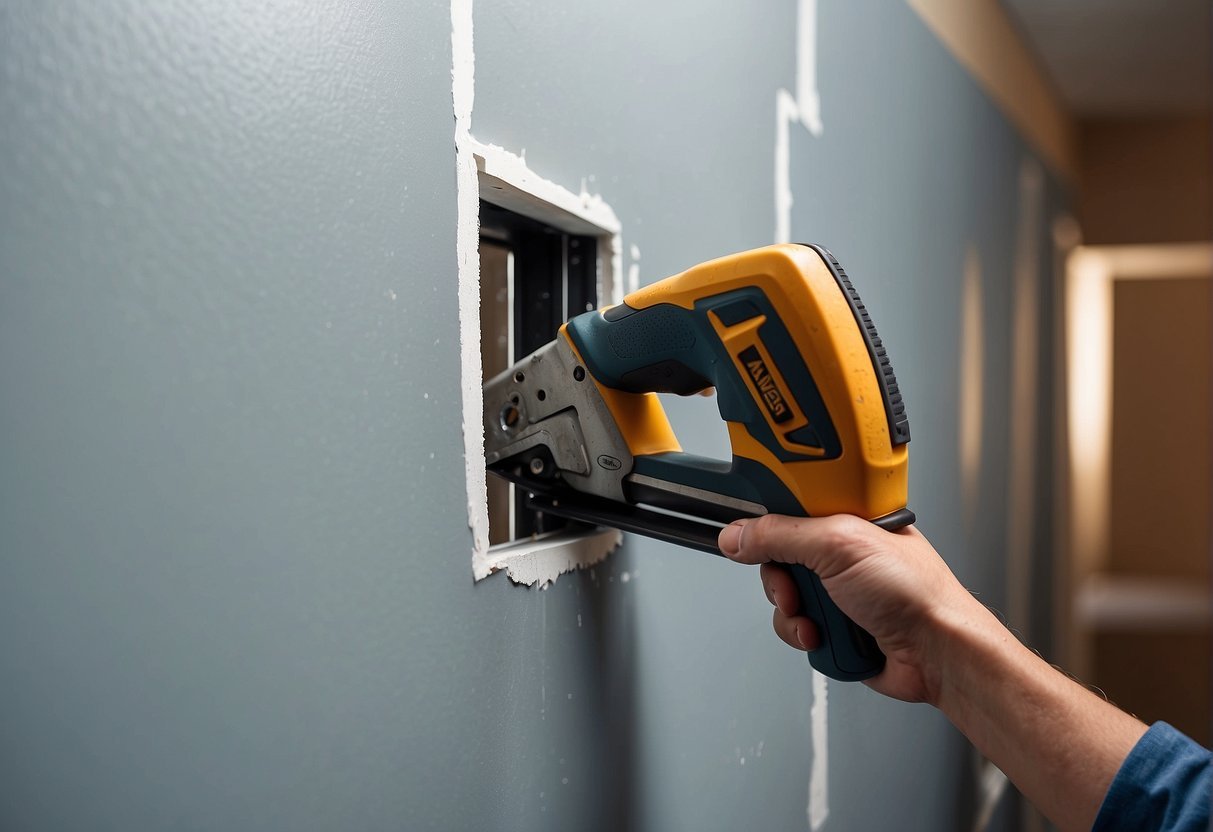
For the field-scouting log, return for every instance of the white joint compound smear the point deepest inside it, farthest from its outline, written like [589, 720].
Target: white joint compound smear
[819, 775]
[527, 561]
[804, 108]
[807, 98]
[467, 244]
[634, 270]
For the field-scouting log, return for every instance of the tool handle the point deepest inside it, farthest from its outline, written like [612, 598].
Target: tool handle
[847, 652]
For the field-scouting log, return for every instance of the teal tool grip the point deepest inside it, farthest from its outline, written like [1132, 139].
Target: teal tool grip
[670, 349]
[847, 652]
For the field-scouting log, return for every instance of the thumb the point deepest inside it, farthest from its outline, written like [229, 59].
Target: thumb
[824, 544]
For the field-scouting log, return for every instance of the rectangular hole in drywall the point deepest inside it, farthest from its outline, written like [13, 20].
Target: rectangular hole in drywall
[518, 313]
[533, 278]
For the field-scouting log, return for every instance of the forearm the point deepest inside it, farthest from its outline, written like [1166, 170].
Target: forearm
[1060, 744]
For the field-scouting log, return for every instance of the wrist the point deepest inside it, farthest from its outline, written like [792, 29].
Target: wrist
[964, 642]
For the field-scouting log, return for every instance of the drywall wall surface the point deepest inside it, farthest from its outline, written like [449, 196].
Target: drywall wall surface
[235, 587]
[672, 107]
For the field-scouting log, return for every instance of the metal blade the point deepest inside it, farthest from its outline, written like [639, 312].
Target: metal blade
[629, 518]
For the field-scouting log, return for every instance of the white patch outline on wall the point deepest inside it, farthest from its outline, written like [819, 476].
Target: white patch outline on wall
[633, 271]
[478, 165]
[804, 108]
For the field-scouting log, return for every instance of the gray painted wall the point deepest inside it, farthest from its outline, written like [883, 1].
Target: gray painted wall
[235, 584]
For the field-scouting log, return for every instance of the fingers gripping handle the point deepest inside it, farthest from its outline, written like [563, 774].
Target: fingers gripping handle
[847, 652]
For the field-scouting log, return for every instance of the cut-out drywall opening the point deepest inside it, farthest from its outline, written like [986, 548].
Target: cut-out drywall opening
[545, 255]
[533, 277]
[504, 179]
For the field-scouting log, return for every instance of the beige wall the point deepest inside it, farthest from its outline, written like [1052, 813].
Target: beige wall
[1159, 524]
[1161, 371]
[1158, 675]
[1146, 180]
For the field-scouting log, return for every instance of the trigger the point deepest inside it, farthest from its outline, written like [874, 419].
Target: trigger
[668, 376]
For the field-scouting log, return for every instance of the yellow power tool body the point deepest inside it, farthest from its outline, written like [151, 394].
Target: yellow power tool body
[814, 413]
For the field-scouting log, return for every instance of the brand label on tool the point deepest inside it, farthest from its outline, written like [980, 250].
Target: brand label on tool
[768, 391]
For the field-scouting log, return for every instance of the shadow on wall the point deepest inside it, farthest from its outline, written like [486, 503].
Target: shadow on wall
[612, 662]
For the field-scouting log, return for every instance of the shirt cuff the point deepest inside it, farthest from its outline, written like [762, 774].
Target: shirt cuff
[1165, 783]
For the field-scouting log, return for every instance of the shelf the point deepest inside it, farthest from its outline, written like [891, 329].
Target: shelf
[1106, 602]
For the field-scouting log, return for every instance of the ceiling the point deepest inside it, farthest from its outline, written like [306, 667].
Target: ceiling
[1124, 57]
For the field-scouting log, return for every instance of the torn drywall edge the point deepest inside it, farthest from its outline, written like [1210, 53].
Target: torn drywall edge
[467, 242]
[615, 289]
[508, 181]
[580, 213]
[541, 561]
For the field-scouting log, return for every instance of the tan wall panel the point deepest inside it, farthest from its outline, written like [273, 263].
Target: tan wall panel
[1159, 676]
[1146, 181]
[1161, 418]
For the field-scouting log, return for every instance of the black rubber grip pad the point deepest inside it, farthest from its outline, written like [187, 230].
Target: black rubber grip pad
[894, 407]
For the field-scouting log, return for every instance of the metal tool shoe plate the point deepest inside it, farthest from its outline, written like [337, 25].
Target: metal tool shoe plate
[562, 412]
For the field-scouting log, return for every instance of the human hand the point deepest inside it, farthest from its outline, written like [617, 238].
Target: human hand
[893, 584]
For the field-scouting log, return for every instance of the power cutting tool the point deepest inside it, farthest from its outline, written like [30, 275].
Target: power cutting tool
[815, 417]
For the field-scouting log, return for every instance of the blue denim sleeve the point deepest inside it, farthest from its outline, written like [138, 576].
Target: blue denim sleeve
[1165, 783]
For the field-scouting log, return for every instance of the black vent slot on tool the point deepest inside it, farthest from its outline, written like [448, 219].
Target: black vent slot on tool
[894, 407]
